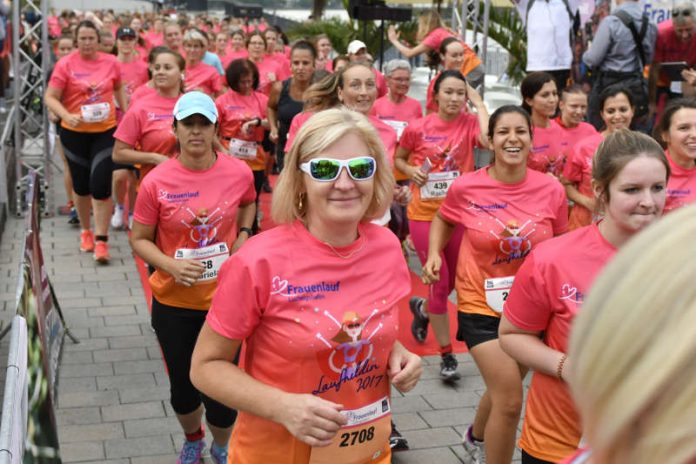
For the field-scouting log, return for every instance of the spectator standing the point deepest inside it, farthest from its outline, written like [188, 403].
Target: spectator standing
[549, 26]
[676, 41]
[617, 58]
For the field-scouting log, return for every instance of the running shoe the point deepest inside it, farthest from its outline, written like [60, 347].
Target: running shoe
[475, 451]
[191, 452]
[419, 326]
[218, 453]
[72, 217]
[101, 252]
[448, 367]
[397, 442]
[86, 241]
[117, 218]
[267, 186]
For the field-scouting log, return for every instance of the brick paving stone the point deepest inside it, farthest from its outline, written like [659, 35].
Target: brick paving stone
[124, 412]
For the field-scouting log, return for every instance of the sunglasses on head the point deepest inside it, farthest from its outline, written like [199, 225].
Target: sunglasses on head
[676, 12]
[328, 169]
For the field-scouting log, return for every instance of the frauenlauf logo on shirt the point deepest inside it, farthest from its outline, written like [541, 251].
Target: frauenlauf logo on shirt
[303, 292]
[571, 293]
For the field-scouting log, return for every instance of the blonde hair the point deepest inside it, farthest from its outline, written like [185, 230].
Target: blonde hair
[633, 349]
[428, 21]
[193, 35]
[317, 134]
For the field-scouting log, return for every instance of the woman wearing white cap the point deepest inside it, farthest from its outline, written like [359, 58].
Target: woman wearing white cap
[186, 225]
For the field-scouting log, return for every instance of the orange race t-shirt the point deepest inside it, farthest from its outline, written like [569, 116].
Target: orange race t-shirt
[578, 170]
[547, 294]
[503, 223]
[681, 186]
[449, 145]
[87, 88]
[133, 75]
[147, 126]
[234, 110]
[317, 323]
[195, 213]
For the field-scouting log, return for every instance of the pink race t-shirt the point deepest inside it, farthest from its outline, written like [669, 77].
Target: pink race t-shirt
[502, 224]
[387, 135]
[397, 115]
[316, 320]
[449, 145]
[574, 135]
[234, 110]
[193, 211]
[143, 91]
[435, 37]
[270, 71]
[578, 170]
[681, 186]
[204, 78]
[230, 56]
[154, 39]
[147, 126]
[87, 88]
[297, 121]
[381, 83]
[547, 294]
[547, 153]
[133, 75]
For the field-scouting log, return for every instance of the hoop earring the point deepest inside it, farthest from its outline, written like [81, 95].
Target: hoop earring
[300, 204]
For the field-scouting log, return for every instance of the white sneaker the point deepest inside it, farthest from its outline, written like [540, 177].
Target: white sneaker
[475, 450]
[117, 218]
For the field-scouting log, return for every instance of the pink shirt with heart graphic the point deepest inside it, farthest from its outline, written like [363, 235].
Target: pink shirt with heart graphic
[317, 320]
[548, 292]
[503, 223]
[681, 187]
[547, 153]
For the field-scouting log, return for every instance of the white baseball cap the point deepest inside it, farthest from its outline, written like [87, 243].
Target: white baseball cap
[355, 46]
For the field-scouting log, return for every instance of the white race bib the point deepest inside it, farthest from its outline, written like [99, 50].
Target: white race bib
[211, 256]
[676, 87]
[497, 291]
[437, 184]
[96, 112]
[243, 149]
[398, 126]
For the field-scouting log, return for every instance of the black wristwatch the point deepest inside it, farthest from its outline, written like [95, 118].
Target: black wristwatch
[247, 230]
[259, 121]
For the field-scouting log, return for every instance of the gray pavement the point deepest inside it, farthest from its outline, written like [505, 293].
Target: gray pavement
[112, 404]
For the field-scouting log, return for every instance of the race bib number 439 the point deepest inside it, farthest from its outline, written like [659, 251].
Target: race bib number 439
[96, 112]
[437, 184]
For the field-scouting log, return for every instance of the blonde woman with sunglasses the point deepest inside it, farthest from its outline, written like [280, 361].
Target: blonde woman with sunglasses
[318, 318]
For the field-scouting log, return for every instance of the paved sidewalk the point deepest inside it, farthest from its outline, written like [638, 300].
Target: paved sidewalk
[113, 390]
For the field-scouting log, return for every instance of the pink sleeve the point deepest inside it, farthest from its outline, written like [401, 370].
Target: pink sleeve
[250, 194]
[433, 39]
[146, 204]
[234, 312]
[572, 170]
[408, 137]
[128, 130]
[451, 207]
[527, 307]
[430, 103]
[216, 82]
[294, 127]
[59, 76]
[560, 223]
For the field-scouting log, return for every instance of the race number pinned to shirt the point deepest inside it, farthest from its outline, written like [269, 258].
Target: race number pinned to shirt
[363, 439]
[497, 291]
[398, 126]
[96, 112]
[211, 256]
[243, 149]
[437, 184]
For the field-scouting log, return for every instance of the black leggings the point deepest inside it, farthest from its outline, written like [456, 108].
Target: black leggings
[177, 330]
[89, 160]
[529, 459]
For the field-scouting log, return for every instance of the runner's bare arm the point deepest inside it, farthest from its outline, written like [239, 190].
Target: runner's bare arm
[405, 368]
[273, 111]
[52, 99]
[126, 154]
[481, 112]
[528, 349]
[574, 194]
[184, 271]
[308, 418]
[245, 219]
[403, 49]
[401, 163]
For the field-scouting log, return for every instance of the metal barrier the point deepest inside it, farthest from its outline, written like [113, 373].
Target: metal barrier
[13, 428]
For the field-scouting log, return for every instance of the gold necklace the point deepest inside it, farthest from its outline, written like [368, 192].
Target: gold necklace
[350, 254]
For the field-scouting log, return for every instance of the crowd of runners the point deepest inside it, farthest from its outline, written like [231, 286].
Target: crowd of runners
[171, 127]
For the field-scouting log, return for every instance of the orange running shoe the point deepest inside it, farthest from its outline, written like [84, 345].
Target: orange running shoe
[101, 252]
[86, 241]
